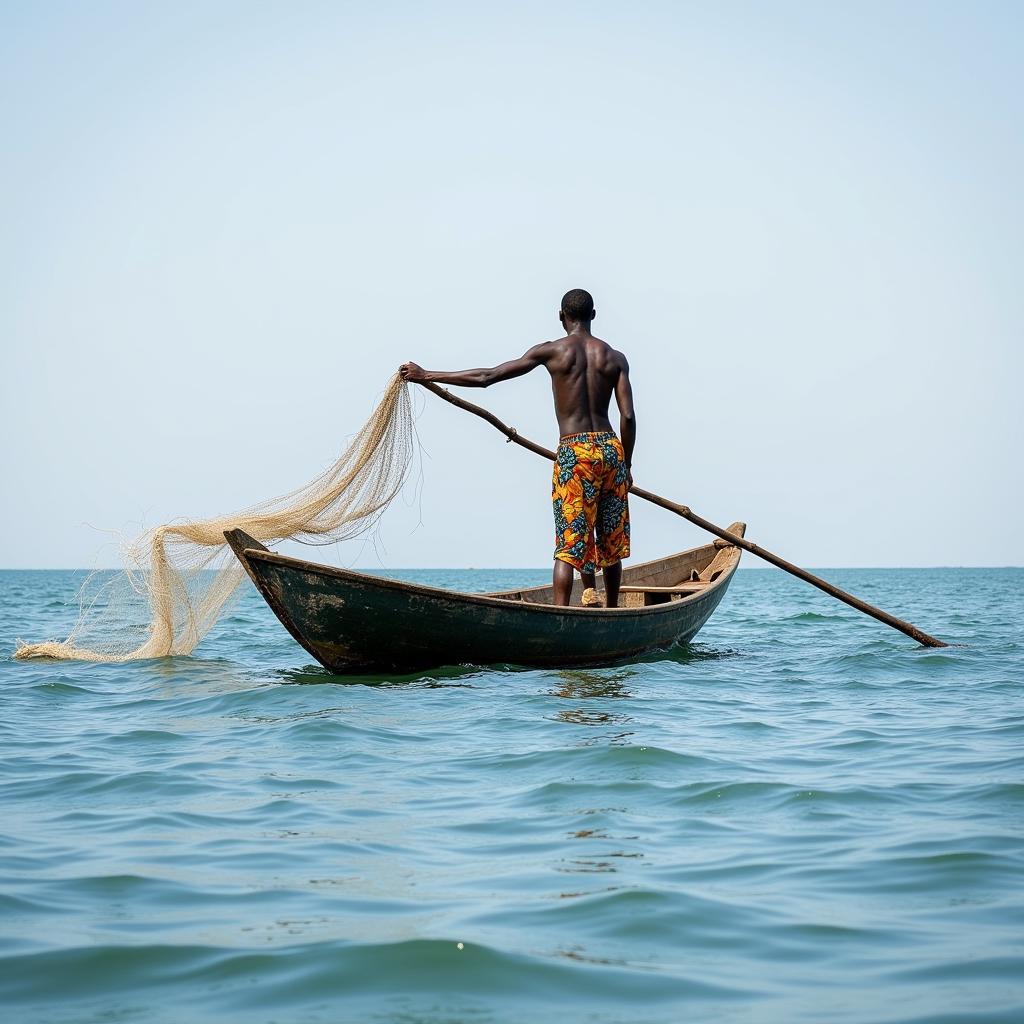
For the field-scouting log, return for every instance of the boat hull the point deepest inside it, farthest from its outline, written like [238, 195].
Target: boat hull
[374, 627]
[358, 624]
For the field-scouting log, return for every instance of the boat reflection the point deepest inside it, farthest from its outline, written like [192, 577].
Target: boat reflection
[590, 683]
[583, 684]
[439, 678]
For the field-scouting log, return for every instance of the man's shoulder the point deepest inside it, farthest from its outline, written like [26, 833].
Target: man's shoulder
[609, 350]
[545, 349]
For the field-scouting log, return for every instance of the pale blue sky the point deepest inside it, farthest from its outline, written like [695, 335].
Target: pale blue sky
[225, 224]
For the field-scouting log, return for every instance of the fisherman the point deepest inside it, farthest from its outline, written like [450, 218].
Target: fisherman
[592, 473]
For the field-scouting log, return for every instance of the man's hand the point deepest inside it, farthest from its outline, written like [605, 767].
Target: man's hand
[413, 373]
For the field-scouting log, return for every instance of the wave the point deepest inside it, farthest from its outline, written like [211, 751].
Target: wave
[446, 970]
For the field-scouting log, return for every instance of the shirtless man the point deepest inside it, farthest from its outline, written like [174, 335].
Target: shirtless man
[592, 475]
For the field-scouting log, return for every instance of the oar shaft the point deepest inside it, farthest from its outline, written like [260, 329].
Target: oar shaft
[815, 581]
[682, 510]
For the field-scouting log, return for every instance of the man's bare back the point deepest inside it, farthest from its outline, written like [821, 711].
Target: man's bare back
[585, 373]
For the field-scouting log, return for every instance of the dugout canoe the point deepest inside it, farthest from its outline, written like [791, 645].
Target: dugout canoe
[358, 624]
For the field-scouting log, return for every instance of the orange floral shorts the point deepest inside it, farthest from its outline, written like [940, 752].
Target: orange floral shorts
[589, 493]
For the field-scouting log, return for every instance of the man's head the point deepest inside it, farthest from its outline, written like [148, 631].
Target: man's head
[577, 307]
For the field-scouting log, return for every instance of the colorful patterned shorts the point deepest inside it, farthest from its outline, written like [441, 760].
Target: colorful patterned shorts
[589, 492]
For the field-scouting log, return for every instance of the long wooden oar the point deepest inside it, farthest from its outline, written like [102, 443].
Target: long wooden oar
[682, 510]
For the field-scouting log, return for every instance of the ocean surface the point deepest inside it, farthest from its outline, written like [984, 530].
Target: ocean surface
[802, 817]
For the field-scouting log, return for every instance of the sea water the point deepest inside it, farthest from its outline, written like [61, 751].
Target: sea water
[801, 817]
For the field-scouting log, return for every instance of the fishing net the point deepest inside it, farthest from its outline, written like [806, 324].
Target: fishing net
[178, 578]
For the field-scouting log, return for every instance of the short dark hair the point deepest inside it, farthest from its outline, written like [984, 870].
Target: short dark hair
[578, 305]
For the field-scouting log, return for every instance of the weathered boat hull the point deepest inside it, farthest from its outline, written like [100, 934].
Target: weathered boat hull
[354, 623]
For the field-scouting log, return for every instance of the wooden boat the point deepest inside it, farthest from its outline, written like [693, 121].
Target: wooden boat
[354, 623]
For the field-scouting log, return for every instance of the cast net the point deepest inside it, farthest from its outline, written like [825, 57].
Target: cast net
[177, 578]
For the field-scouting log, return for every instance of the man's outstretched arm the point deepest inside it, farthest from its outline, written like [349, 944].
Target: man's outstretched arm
[627, 415]
[480, 378]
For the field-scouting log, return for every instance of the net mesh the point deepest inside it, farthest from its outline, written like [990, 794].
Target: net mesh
[177, 578]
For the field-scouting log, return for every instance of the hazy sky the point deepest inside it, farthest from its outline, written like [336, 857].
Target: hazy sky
[225, 224]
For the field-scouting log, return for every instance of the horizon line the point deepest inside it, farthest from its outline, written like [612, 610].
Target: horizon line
[524, 568]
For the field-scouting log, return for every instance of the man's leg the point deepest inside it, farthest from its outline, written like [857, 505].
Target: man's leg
[561, 582]
[613, 526]
[612, 580]
[573, 501]
[589, 579]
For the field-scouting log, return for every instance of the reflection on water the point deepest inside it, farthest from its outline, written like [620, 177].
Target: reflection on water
[585, 866]
[615, 739]
[576, 682]
[581, 684]
[581, 716]
[439, 678]
[588, 892]
[579, 954]
[590, 683]
[600, 863]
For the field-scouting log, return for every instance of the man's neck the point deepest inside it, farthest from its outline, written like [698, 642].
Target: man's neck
[577, 329]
